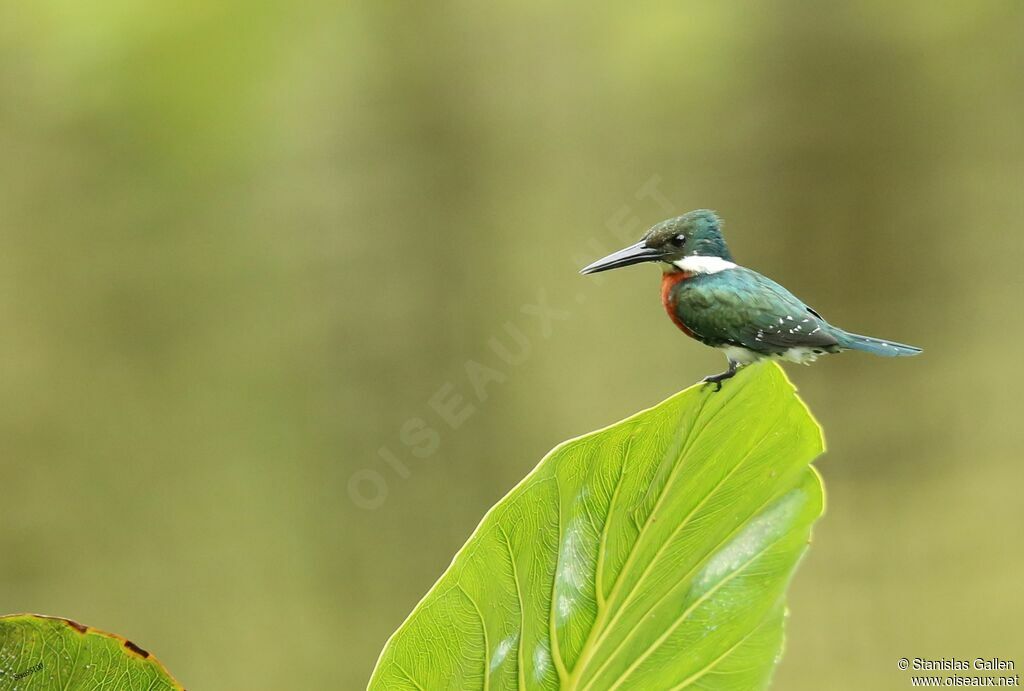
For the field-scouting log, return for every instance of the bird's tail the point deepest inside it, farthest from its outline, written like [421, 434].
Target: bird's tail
[875, 346]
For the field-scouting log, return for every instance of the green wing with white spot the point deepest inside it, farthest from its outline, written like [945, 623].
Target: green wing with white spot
[742, 307]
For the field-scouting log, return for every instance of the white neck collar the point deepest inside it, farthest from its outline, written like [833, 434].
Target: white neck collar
[696, 264]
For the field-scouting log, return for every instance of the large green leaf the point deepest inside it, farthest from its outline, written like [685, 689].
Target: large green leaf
[38, 652]
[653, 554]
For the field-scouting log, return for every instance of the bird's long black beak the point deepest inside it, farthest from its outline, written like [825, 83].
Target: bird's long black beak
[634, 254]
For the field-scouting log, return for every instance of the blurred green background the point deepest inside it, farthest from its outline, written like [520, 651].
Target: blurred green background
[244, 246]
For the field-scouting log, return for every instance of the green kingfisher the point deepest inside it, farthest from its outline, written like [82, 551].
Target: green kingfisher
[724, 305]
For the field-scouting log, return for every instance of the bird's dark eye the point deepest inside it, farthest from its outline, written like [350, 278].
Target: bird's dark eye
[678, 240]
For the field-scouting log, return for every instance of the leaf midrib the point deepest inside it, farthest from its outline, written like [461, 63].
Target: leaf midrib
[703, 559]
[599, 624]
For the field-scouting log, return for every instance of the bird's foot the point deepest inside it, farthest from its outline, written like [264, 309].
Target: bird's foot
[717, 379]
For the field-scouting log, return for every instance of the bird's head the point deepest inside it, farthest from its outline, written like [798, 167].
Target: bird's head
[694, 234]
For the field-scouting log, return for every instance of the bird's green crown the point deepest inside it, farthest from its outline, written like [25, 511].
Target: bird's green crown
[694, 233]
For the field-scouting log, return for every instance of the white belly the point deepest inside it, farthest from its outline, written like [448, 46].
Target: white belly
[741, 355]
[800, 355]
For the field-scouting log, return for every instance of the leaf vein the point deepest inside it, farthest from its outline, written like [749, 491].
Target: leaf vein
[668, 541]
[689, 610]
[520, 668]
[483, 628]
[556, 652]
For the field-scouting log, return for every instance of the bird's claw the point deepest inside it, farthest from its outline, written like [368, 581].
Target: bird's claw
[717, 379]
